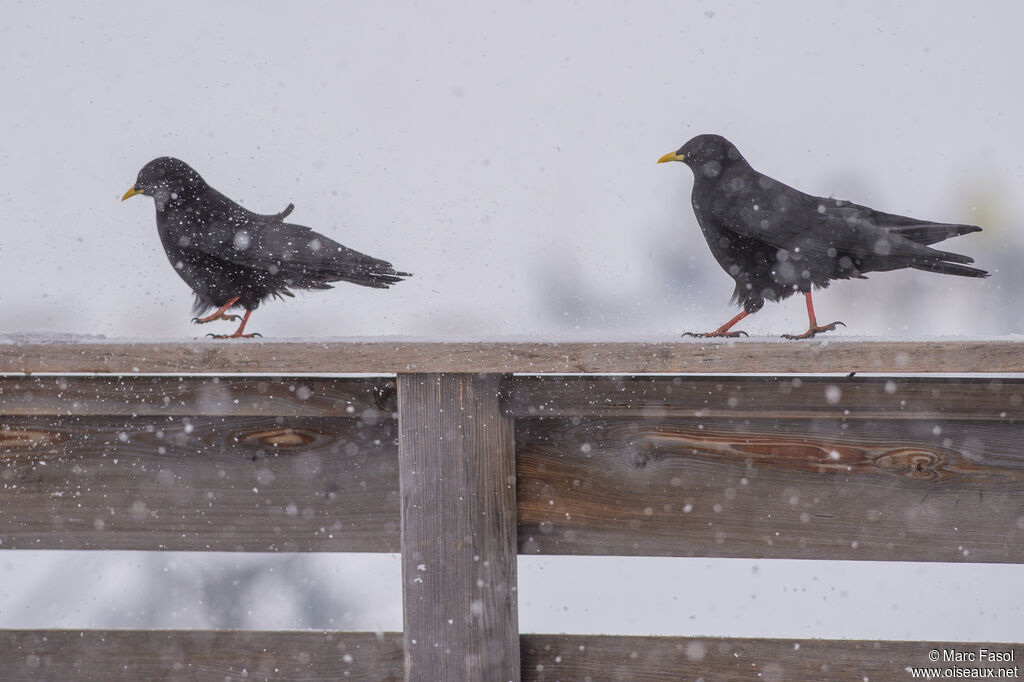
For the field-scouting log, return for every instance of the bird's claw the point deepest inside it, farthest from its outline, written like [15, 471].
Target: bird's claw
[710, 335]
[813, 331]
[235, 336]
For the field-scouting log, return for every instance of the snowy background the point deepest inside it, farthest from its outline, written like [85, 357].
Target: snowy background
[505, 154]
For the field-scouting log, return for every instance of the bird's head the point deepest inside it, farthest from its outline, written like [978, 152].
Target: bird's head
[166, 179]
[706, 154]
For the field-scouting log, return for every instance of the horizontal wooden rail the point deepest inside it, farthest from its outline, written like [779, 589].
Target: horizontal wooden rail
[759, 356]
[215, 655]
[216, 464]
[251, 484]
[101, 655]
[816, 468]
[191, 396]
[769, 490]
[926, 469]
[850, 398]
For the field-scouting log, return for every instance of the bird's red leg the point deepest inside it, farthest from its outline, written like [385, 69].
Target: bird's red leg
[812, 323]
[723, 330]
[218, 314]
[238, 332]
[241, 328]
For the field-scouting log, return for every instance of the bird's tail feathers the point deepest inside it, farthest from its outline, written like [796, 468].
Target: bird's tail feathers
[377, 280]
[930, 233]
[951, 268]
[951, 257]
[376, 276]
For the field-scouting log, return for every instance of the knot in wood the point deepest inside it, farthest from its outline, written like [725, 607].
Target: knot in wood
[640, 455]
[915, 463]
[278, 438]
[28, 439]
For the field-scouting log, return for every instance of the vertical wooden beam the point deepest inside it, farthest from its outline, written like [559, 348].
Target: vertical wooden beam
[458, 488]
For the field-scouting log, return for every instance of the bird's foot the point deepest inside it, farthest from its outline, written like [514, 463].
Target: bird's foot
[813, 331]
[235, 336]
[215, 317]
[715, 334]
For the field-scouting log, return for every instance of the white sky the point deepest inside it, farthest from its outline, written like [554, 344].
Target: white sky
[504, 153]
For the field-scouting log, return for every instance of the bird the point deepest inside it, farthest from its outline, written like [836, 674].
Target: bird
[234, 258]
[775, 241]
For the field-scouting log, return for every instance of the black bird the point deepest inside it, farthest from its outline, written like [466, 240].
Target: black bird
[776, 241]
[232, 257]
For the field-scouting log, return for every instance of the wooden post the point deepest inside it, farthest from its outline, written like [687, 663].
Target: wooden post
[458, 489]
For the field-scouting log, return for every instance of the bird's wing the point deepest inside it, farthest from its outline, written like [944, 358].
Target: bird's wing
[921, 231]
[788, 219]
[301, 256]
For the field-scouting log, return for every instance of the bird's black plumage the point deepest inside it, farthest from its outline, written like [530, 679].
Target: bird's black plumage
[232, 257]
[776, 241]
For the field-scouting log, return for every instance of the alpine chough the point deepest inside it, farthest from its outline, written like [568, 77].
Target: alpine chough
[776, 241]
[234, 258]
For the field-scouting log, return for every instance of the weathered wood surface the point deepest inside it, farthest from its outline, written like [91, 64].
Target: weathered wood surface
[199, 483]
[457, 464]
[187, 396]
[835, 467]
[214, 655]
[946, 490]
[760, 356]
[588, 658]
[176, 655]
[905, 490]
[839, 397]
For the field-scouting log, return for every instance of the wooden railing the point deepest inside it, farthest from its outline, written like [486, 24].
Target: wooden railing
[474, 453]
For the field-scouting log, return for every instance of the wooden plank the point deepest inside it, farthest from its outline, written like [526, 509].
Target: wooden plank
[217, 656]
[759, 356]
[587, 658]
[874, 398]
[199, 483]
[908, 490]
[928, 469]
[898, 490]
[187, 396]
[457, 464]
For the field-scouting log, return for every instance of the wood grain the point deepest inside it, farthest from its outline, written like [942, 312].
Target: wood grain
[457, 464]
[187, 396]
[903, 468]
[199, 483]
[907, 490]
[587, 658]
[851, 398]
[216, 656]
[760, 356]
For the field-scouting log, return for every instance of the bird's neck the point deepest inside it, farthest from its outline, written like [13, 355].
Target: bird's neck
[721, 180]
[714, 173]
[187, 199]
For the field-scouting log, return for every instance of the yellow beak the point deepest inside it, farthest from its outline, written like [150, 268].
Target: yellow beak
[671, 156]
[130, 193]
